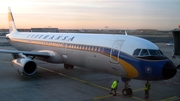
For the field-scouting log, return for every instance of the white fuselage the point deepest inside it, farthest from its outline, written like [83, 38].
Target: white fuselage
[103, 52]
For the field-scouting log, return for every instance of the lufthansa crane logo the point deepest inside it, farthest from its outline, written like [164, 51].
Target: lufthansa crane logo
[148, 69]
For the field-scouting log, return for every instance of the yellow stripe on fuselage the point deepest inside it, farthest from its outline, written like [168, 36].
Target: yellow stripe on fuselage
[131, 71]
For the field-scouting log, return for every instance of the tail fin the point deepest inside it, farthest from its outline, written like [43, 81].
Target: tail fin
[12, 26]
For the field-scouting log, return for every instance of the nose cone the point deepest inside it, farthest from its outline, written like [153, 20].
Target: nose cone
[169, 70]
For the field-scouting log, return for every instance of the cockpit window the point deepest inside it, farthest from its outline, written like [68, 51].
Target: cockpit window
[144, 52]
[136, 52]
[161, 52]
[147, 52]
[154, 52]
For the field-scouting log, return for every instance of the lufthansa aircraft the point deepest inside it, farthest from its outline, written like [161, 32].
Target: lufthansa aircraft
[122, 55]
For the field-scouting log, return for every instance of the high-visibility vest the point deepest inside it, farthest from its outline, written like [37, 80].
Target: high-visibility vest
[147, 86]
[114, 84]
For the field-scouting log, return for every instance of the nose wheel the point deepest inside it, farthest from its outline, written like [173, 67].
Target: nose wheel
[127, 90]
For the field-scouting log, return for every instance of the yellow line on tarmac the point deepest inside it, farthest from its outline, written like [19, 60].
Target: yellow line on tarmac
[83, 81]
[75, 78]
[102, 97]
[136, 90]
[46, 69]
[97, 98]
[171, 98]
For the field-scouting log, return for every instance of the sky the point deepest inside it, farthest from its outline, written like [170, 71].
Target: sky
[92, 14]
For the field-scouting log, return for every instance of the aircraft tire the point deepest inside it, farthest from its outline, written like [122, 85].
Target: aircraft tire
[66, 66]
[125, 92]
[129, 90]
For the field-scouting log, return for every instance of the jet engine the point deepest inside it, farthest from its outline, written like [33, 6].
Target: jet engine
[24, 65]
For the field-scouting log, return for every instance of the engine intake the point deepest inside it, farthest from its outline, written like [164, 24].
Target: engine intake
[24, 66]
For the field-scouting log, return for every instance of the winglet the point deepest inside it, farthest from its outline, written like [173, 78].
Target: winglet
[12, 26]
[126, 33]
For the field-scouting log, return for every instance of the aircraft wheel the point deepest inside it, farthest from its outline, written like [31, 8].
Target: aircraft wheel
[129, 91]
[66, 66]
[71, 66]
[125, 92]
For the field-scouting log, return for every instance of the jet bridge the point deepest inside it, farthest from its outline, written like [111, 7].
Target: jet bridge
[176, 51]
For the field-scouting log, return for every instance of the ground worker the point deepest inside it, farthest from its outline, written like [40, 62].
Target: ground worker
[114, 87]
[147, 88]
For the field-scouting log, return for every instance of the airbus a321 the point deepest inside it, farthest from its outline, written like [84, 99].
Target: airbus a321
[126, 56]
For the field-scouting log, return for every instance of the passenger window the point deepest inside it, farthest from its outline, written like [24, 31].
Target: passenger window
[95, 49]
[80, 46]
[99, 49]
[136, 52]
[83, 47]
[60, 45]
[92, 48]
[89, 48]
[102, 49]
[67, 45]
[144, 52]
[74, 46]
[86, 47]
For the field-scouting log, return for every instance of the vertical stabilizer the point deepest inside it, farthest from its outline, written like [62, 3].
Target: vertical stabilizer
[12, 26]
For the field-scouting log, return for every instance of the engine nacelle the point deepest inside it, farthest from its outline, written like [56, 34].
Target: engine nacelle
[24, 66]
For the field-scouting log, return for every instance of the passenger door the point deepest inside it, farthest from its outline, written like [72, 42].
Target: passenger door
[115, 51]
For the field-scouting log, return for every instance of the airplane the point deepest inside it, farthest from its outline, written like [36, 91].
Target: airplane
[126, 56]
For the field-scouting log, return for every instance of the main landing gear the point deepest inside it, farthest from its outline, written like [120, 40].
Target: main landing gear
[67, 66]
[126, 91]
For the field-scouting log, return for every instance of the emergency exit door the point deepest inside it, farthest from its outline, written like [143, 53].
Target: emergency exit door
[64, 50]
[115, 51]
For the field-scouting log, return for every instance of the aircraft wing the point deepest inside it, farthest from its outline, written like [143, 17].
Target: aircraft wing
[31, 53]
[3, 37]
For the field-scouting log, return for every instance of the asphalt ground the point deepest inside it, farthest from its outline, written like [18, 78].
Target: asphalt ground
[53, 82]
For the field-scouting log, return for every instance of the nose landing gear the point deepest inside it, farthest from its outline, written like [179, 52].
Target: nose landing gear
[127, 90]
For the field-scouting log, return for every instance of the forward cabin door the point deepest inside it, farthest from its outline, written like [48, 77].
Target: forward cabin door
[115, 51]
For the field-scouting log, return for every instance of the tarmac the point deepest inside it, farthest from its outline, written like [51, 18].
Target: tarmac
[52, 82]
